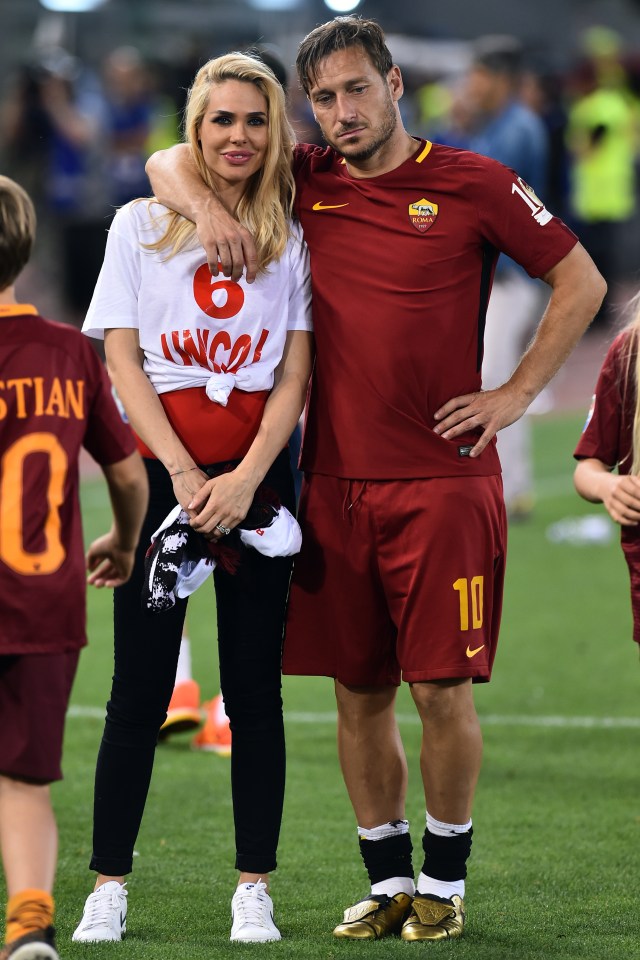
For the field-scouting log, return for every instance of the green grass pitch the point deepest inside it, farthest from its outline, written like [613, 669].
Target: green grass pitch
[554, 867]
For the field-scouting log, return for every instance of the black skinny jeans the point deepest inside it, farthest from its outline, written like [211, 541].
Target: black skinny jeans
[250, 608]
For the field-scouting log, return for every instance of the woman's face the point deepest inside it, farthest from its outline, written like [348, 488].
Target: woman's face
[234, 131]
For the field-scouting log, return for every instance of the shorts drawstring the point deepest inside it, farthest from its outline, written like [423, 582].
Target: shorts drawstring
[352, 495]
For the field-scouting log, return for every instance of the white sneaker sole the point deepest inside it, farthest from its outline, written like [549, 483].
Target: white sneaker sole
[253, 938]
[35, 951]
[93, 938]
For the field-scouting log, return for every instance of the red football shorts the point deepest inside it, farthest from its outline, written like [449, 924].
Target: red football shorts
[397, 579]
[34, 695]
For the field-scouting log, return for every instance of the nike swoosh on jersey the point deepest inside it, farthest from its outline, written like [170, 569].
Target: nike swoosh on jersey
[328, 206]
[472, 653]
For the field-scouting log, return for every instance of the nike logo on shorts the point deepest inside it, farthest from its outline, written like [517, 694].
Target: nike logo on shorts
[471, 653]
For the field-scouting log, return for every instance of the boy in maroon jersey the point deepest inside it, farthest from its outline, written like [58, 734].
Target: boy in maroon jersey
[55, 398]
[402, 563]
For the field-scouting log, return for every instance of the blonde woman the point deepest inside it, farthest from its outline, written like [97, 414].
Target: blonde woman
[212, 375]
[608, 452]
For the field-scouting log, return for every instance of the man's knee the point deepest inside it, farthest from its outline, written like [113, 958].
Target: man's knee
[442, 699]
[369, 702]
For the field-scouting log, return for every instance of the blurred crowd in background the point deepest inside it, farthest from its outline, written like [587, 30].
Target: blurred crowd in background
[76, 135]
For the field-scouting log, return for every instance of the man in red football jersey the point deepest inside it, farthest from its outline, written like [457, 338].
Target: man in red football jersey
[55, 398]
[402, 563]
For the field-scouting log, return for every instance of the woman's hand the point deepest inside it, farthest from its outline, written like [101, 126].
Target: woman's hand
[186, 484]
[222, 501]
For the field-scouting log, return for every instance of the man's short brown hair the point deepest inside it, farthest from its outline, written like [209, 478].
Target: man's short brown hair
[340, 34]
[17, 231]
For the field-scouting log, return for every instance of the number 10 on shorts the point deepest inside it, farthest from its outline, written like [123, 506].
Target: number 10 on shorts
[470, 594]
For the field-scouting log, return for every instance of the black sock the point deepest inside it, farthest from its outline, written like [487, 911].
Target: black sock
[445, 858]
[386, 858]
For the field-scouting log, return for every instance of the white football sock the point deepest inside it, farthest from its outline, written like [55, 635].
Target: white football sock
[393, 828]
[394, 885]
[440, 888]
[441, 829]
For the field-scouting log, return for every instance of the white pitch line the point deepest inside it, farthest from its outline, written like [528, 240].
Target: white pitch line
[491, 719]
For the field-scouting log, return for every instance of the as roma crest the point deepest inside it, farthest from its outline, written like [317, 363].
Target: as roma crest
[422, 214]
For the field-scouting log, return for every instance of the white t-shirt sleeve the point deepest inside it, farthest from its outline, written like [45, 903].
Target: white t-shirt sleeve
[299, 314]
[114, 303]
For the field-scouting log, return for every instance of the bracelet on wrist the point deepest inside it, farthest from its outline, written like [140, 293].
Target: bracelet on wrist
[178, 472]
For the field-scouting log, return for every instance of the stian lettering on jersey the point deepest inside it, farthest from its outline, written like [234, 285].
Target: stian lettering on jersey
[24, 397]
[422, 214]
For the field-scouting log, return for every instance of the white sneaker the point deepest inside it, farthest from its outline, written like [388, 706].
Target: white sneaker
[105, 914]
[252, 914]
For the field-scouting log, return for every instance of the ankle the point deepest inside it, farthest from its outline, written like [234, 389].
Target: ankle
[101, 879]
[254, 878]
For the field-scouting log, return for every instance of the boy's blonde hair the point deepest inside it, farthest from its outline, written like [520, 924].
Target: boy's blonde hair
[267, 203]
[17, 231]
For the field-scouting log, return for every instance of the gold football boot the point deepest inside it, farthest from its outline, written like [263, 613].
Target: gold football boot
[374, 917]
[432, 918]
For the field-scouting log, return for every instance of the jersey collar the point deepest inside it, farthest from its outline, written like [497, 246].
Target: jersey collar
[17, 309]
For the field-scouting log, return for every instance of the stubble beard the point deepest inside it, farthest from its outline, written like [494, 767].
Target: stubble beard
[384, 133]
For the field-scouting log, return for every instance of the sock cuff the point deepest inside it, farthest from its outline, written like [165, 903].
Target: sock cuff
[28, 910]
[393, 828]
[441, 829]
[39, 898]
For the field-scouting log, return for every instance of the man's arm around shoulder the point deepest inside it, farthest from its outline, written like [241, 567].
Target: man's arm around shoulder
[177, 184]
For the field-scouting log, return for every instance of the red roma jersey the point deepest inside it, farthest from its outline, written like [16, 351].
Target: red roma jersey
[55, 398]
[401, 269]
[608, 432]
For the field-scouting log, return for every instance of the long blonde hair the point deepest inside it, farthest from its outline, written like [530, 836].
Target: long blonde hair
[267, 203]
[631, 376]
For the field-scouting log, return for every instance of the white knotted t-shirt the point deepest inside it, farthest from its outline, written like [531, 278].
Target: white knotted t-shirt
[197, 330]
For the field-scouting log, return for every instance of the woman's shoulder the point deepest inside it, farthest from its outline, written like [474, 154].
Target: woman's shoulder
[145, 218]
[295, 231]
[296, 246]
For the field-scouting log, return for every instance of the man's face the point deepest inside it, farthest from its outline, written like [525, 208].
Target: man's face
[355, 107]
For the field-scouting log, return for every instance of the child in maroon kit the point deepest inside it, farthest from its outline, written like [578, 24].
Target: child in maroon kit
[609, 449]
[55, 398]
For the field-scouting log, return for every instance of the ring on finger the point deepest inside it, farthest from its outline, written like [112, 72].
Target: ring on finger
[223, 530]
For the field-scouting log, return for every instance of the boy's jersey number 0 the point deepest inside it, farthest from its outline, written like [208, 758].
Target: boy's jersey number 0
[12, 551]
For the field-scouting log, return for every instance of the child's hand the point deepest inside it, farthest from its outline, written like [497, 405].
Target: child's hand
[621, 498]
[108, 563]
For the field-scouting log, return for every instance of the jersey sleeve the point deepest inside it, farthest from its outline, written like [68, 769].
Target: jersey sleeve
[299, 314]
[114, 303]
[107, 437]
[301, 153]
[603, 427]
[516, 222]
